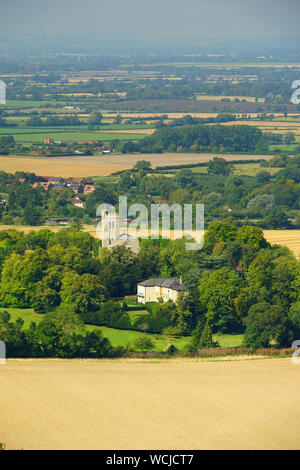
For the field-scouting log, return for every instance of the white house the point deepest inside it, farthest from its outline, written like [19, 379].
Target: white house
[152, 290]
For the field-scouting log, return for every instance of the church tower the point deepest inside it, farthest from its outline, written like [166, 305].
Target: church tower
[110, 227]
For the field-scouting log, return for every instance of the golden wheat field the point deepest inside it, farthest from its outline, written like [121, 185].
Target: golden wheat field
[104, 165]
[139, 404]
[270, 126]
[289, 238]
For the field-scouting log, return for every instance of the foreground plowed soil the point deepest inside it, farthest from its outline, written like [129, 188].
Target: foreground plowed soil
[126, 404]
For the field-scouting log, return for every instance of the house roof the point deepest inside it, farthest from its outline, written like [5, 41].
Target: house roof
[171, 283]
[57, 179]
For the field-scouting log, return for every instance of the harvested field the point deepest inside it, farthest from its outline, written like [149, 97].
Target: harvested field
[139, 404]
[250, 99]
[289, 238]
[131, 131]
[270, 126]
[105, 165]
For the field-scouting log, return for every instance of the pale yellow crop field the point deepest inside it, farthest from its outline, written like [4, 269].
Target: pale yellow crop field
[104, 165]
[140, 404]
[269, 126]
[131, 131]
[289, 238]
[249, 99]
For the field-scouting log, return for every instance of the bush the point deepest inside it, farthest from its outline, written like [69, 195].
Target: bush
[157, 320]
[143, 344]
[266, 326]
[55, 336]
[110, 314]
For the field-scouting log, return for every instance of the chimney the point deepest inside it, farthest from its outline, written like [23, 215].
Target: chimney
[180, 279]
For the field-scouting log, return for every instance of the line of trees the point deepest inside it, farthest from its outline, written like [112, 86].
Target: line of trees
[53, 121]
[60, 335]
[218, 138]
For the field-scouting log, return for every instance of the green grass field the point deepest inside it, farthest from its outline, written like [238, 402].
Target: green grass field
[27, 314]
[283, 147]
[248, 169]
[29, 103]
[64, 134]
[122, 337]
[104, 179]
[252, 169]
[119, 127]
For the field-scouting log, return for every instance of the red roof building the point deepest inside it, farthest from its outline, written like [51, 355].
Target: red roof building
[48, 140]
[88, 189]
[44, 184]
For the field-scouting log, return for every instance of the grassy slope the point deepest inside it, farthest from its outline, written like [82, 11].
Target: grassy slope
[119, 337]
[248, 169]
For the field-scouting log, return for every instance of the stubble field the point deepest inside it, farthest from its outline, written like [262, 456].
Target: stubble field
[105, 165]
[138, 404]
[289, 238]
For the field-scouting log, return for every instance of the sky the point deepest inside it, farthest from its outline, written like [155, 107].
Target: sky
[151, 19]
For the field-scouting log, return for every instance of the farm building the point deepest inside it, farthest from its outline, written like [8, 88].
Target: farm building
[152, 290]
[48, 140]
[89, 188]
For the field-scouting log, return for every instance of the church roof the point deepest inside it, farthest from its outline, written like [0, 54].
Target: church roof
[125, 236]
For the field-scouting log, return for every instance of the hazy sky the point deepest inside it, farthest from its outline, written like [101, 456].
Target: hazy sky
[151, 18]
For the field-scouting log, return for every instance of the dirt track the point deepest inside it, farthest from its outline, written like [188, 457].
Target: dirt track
[182, 404]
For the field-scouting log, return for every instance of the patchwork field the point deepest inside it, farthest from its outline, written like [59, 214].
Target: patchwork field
[105, 165]
[138, 404]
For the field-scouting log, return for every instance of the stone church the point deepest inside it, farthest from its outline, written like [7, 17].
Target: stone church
[114, 232]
